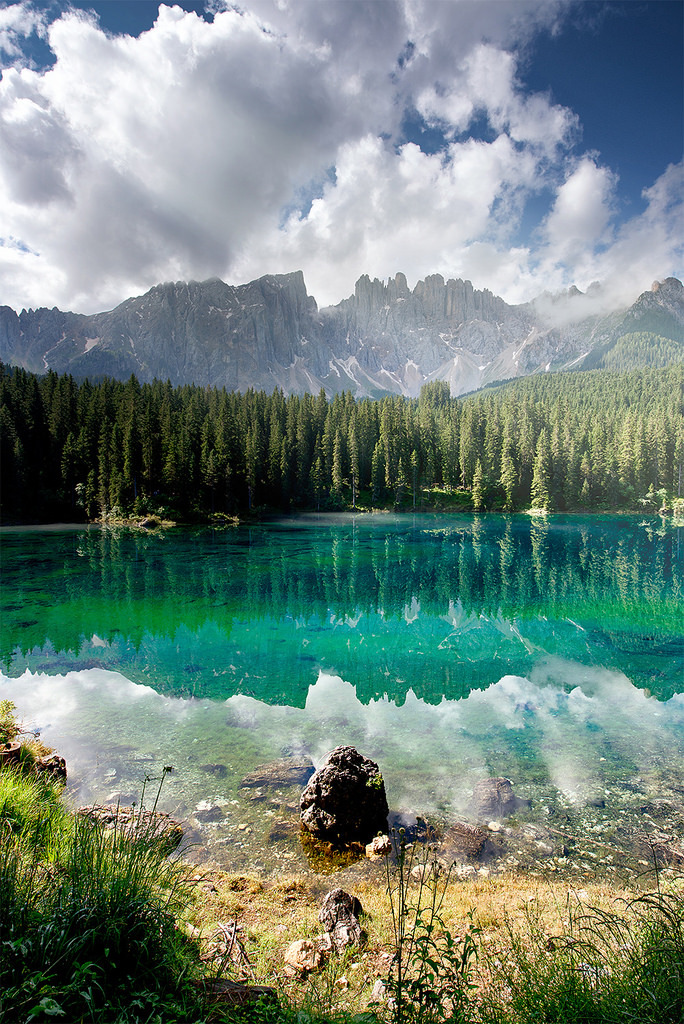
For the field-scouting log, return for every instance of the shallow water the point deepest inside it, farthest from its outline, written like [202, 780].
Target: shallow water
[447, 648]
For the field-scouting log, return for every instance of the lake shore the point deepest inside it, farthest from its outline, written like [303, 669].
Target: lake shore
[516, 924]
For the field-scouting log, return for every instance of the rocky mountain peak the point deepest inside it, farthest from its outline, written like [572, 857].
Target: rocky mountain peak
[386, 337]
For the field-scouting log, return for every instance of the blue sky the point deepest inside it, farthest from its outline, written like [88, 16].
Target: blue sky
[524, 144]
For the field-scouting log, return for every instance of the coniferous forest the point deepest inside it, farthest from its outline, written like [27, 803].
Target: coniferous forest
[83, 450]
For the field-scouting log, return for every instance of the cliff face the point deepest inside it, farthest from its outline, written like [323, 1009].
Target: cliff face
[269, 333]
[437, 331]
[202, 333]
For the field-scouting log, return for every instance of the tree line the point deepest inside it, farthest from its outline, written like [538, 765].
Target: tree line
[555, 441]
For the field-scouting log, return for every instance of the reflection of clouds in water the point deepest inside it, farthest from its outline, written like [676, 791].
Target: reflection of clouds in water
[83, 714]
[565, 716]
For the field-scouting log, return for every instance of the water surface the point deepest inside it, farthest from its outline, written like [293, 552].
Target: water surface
[447, 648]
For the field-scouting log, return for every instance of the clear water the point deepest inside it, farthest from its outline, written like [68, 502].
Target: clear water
[447, 648]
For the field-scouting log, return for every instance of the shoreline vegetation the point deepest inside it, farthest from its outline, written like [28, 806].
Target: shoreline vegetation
[107, 926]
[127, 452]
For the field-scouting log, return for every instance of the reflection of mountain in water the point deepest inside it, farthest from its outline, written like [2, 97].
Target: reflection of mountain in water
[434, 604]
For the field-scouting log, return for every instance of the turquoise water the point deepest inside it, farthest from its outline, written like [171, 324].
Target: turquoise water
[447, 648]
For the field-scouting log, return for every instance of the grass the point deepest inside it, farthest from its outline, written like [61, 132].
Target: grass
[89, 916]
[544, 952]
[99, 928]
[607, 966]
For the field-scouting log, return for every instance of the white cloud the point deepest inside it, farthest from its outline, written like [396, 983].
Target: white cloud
[582, 241]
[400, 210]
[18, 22]
[192, 150]
[581, 211]
[486, 83]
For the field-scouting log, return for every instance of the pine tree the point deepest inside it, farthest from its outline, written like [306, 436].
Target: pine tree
[540, 491]
[478, 492]
[508, 477]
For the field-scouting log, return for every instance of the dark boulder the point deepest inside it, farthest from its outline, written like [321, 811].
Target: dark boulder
[344, 801]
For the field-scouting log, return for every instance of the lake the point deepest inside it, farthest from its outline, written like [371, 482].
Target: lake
[549, 650]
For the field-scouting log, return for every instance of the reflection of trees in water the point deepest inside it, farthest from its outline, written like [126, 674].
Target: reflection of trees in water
[609, 577]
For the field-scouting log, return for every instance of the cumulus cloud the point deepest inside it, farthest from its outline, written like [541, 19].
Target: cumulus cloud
[272, 138]
[580, 233]
[421, 212]
[581, 211]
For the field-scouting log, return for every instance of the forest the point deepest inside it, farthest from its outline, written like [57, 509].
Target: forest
[586, 440]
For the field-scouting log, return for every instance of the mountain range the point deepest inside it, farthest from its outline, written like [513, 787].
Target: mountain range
[384, 338]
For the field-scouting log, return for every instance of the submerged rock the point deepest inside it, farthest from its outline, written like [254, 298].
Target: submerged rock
[345, 801]
[463, 839]
[219, 770]
[209, 814]
[288, 771]
[494, 798]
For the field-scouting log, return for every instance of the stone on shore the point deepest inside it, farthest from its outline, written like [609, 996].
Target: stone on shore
[379, 848]
[135, 821]
[53, 766]
[339, 915]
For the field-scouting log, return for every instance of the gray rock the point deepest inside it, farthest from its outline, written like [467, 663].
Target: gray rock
[344, 801]
[269, 333]
[339, 915]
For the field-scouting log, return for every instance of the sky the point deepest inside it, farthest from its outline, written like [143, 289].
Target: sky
[525, 145]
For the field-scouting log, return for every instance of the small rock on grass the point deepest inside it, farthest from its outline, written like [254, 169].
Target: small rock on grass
[302, 956]
[379, 848]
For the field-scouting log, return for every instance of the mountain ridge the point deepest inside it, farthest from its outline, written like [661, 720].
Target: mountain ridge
[386, 337]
